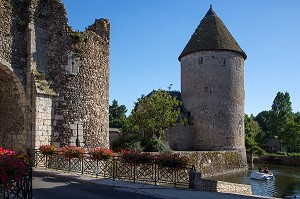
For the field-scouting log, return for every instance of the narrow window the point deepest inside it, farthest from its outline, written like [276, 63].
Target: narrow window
[224, 61]
[72, 67]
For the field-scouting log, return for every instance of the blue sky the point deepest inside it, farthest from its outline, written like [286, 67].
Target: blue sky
[147, 37]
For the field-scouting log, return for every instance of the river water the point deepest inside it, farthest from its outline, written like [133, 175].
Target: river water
[285, 184]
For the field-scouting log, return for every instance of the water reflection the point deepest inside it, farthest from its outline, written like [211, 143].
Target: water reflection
[286, 182]
[264, 188]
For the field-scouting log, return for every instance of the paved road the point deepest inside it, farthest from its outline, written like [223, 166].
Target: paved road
[58, 188]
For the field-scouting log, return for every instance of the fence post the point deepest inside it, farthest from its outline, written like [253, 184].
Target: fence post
[134, 171]
[97, 168]
[82, 164]
[114, 168]
[69, 164]
[30, 184]
[174, 175]
[155, 177]
[195, 180]
[46, 166]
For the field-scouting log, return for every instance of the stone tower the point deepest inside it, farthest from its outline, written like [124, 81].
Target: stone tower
[212, 86]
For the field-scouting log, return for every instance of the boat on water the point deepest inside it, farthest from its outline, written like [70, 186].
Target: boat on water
[262, 176]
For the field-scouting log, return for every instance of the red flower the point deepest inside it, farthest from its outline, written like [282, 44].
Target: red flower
[12, 167]
[101, 153]
[135, 157]
[72, 152]
[48, 150]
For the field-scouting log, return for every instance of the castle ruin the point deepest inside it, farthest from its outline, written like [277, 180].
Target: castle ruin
[54, 82]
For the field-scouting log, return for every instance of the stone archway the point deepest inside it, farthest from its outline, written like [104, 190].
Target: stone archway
[12, 110]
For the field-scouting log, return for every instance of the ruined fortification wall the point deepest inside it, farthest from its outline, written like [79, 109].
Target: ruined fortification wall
[212, 85]
[12, 112]
[63, 75]
[13, 104]
[13, 15]
[75, 66]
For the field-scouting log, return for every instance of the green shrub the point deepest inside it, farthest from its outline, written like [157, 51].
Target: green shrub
[127, 142]
[78, 37]
[155, 145]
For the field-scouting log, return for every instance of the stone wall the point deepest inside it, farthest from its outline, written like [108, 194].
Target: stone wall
[211, 163]
[61, 75]
[77, 70]
[179, 137]
[13, 105]
[12, 35]
[212, 86]
[44, 120]
[225, 187]
[12, 111]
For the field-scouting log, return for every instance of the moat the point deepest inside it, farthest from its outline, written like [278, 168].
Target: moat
[286, 182]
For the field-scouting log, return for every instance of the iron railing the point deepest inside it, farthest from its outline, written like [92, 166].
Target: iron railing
[21, 189]
[115, 169]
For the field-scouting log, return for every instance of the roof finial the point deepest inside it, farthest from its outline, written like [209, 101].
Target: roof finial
[210, 6]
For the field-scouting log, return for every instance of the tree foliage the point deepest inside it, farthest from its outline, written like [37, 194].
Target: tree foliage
[297, 117]
[281, 113]
[279, 121]
[263, 119]
[155, 113]
[117, 115]
[291, 136]
[252, 135]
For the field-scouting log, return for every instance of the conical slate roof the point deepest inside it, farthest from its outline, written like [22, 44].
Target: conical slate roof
[211, 34]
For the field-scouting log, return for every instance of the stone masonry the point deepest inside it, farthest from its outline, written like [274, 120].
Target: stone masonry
[54, 82]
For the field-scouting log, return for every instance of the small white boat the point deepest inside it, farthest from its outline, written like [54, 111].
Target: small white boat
[262, 176]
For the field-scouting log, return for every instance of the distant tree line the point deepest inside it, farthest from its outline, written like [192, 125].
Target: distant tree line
[280, 121]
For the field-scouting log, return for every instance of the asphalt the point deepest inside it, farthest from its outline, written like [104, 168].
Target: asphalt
[165, 192]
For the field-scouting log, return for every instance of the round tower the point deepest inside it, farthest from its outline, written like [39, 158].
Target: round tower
[212, 86]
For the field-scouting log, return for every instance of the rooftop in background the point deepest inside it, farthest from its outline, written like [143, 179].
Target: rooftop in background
[211, 34]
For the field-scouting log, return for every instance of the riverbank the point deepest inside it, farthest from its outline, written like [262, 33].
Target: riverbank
[278, 160]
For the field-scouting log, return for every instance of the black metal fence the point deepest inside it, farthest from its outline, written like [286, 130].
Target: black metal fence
[116, 168]
[21, 189]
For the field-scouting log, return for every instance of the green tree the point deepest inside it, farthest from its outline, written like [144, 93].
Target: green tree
[263, 119]
[297, 117]
[291, 137]
[281, 113]
[117, 115]
[252, 131]
[155, 113]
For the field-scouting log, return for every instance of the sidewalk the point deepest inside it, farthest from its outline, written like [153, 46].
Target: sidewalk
[141, 188]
